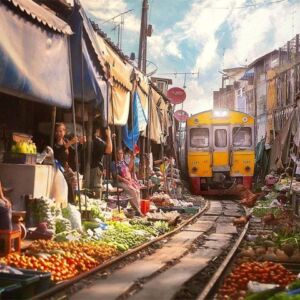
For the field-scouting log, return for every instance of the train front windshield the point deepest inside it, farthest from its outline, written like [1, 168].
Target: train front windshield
[199, 137]
[242, 137]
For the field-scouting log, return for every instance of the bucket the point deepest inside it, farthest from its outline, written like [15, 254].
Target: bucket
[145, 206]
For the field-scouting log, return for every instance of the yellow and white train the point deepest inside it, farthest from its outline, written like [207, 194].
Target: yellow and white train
[220, 150]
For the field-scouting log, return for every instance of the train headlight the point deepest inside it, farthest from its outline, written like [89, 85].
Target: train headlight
[247, 169]
[220, 113]
[194, 169]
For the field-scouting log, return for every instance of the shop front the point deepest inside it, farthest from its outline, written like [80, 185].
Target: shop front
[33, 41]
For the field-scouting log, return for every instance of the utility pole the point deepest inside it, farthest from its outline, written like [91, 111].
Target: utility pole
[143, 37]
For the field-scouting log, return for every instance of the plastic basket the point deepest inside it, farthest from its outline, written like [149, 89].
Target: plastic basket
[9, 289]
[28, 284]
[44, 282]
[20, 158]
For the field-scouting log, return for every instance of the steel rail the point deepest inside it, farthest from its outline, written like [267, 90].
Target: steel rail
[66, 284]
[217, 275]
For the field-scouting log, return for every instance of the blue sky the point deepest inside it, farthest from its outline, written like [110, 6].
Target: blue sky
[201, 35]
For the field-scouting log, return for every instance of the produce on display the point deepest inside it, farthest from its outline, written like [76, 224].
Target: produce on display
[170, 217]
[160, 199]
[63, 260]
[44, 210]
[24, 147]
[62, 224]
[260, 212]
[124, 236]
[71, 213]
[236, 284]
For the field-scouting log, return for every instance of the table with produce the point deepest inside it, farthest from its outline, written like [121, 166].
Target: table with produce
[64, 246]
[268, 262]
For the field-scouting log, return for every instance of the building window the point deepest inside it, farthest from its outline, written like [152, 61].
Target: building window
[161, 85]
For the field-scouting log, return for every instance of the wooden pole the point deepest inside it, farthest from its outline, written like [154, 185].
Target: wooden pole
[115, 147]
[53, 121]
[74, 121]
[143, 38]
[89, 147]
[149, 139]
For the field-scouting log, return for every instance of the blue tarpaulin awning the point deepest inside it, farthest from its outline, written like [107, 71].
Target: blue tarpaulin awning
[34, 59]
[86, 68]
[248, 75]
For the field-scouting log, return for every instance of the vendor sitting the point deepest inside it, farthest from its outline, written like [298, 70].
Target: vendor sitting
[122, 172]
[5, 212]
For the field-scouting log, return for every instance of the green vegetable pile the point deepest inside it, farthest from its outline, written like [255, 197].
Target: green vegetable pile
[44, 211]
[260, 212]
[124, 236]
[62, 224]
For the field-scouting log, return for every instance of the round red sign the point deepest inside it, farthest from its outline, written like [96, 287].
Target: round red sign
[176, 95]
[181, 115]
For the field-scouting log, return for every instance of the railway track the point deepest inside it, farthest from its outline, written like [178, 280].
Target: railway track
[187, 264]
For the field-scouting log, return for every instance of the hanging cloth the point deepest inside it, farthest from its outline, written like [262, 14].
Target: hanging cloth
[141, 115]
[130, 136]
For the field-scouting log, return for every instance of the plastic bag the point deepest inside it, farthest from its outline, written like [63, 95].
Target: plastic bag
[71, 213]
[255, 287]
[59, 190]
[9, 270]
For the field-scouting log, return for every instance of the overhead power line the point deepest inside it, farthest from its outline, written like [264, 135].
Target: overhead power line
[121, 14]
[249, 5]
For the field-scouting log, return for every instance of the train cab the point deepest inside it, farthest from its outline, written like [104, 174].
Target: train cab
[220, 150]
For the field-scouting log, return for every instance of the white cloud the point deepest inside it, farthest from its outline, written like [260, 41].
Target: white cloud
[258, 31]
[156, 45]
[208, 55]
[172, 49]
[248, 33]
[253, 32]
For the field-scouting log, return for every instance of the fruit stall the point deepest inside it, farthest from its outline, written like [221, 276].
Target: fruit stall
[63, 246]
[62, 243]
[21, 172]
[267, 265]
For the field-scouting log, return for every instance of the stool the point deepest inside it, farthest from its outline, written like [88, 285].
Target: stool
[12, 241]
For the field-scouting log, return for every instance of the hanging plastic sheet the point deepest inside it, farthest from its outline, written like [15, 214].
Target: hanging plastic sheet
[34, 60]
[131, 135]
[280, 147]
[119, 69]
[155, 124]
[119, 105]
[141, 115]
[144, 100]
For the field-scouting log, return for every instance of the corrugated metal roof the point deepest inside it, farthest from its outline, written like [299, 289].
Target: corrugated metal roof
[262, 57]
[42, 15]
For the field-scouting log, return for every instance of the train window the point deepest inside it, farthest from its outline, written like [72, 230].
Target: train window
[242, 137]
[221, 138]
[199, 137]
